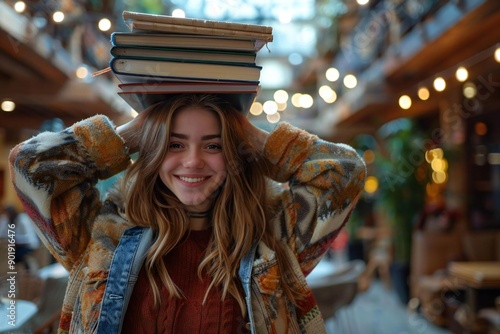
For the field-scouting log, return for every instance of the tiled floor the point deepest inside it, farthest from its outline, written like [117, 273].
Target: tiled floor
[379, 311]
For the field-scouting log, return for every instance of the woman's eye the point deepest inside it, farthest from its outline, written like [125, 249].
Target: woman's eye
[174, 146]
[214, 147]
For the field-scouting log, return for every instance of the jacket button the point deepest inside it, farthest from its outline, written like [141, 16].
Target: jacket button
[247, 326]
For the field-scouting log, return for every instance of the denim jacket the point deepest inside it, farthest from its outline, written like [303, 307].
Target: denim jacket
[55, 177]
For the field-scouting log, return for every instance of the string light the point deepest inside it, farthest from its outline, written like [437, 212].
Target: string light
[469, 90]
[423, 93]
[256, 108]
[58, 17]
[306, 101]
[104, 24]
[350, 81]
[332, 74]
[405, 102]
[461, 73]
[327, 94]
[8, 106]
[280, 96]
[20, 6]
[296, 100]
[439, 84]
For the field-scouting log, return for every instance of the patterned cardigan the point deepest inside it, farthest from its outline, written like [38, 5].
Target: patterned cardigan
[55, 176]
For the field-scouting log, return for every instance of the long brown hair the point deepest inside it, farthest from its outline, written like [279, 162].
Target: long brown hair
[240, 215]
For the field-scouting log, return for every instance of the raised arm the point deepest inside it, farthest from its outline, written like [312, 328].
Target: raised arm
[55, 174]
[324, 183]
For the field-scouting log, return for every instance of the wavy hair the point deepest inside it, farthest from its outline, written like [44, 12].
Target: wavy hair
[237, 222]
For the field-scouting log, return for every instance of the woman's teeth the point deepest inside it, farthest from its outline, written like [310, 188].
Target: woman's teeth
[191, 179]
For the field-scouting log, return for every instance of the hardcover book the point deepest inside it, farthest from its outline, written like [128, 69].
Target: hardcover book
[190, 87]
[186, 41]
[242, 101]
[131, 17]
[139, 26]
[187, 70]
[182, 54]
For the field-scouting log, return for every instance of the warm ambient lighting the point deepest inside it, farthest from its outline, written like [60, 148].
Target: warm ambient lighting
[368, 157]
[497, 55]
[20, 6]
[178, 13]
[58, 17]
[461, 74]
[480, 128]
[256, 108]
[439, 84]
[327, 94]
[274, 118]
[350, 81]
[405, 102]
[438, 164]
[280, 96]
[332, 74]
[82, 72]
[436, 153]
[469, 90]
[104, 24]
[270, 107]
[306, 101]
[423, 93]
[363, 2]
[296, 100]
[371, 184]
[8, 106]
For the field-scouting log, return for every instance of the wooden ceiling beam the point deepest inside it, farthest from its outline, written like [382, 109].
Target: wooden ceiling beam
[39, 66]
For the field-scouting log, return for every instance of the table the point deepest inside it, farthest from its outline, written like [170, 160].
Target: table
[480, 274]
[481, 280]
[20, 313]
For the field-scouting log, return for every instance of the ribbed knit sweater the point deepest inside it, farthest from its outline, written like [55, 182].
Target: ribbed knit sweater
[188, 314]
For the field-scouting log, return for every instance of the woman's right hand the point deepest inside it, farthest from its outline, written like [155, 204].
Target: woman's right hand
[130, 131]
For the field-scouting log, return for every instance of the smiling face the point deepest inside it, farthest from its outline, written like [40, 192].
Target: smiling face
[194, 167]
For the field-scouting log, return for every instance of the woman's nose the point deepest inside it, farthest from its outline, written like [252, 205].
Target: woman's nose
[193, 159]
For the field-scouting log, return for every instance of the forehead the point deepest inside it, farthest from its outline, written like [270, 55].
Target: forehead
[196, 118]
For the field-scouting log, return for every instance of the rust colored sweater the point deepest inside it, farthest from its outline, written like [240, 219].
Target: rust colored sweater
[183, 315]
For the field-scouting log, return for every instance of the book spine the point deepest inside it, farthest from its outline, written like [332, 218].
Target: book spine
[163, 53]
[155, 40]
[134, 16]
[171, 69]
[173, 28]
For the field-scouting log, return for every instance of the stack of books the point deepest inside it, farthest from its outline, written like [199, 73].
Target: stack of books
[164, 55]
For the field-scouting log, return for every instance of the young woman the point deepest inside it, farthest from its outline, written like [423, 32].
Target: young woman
[212, 230]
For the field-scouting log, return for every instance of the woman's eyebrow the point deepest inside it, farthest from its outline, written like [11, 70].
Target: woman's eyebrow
[183, 136]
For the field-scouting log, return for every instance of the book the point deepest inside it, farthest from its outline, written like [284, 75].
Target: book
[190, 87]
[183, 54]
[186, 41]
[140, 96]
[130, 17]
[141, 26]
[161, 69]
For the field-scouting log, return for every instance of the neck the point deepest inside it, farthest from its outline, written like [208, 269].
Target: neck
[199, 214]
[198, 220]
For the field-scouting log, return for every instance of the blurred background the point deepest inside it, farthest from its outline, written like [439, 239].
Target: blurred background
[412, 85]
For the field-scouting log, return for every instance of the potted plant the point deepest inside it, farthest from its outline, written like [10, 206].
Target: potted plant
[400, 168]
